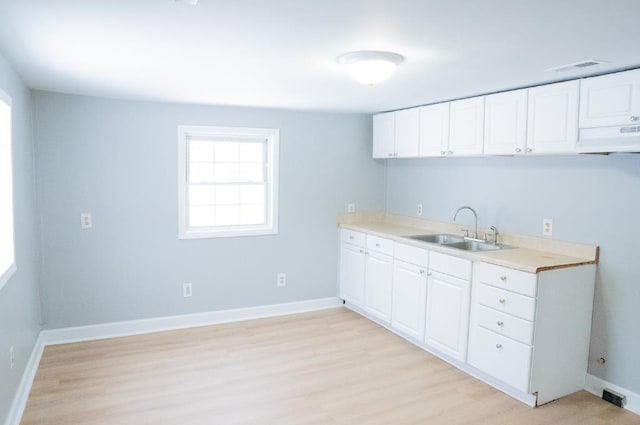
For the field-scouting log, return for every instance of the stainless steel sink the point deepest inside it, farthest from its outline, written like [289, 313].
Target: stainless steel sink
[475, 246]
[440, 239]
[458, 242]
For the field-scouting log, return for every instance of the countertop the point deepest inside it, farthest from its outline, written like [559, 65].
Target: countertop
[521, 256]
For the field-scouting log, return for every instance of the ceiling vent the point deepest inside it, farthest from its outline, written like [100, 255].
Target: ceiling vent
[576, 66]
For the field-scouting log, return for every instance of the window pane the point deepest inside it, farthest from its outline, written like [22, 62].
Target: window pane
[251, 152]
[227, 152]
[202, 195]
[227, 215]
[202, 216]
[227, 194]
[252, 214]
[251, 172]
[200, 151]
[252, 194]
[201, 172]
[226, 172]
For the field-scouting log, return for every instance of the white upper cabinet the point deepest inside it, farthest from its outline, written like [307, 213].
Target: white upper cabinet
[505, 123]
[553, 118]
[434, 130]
[407, 133]
[384, 134]
[610, 100]
[466, 129]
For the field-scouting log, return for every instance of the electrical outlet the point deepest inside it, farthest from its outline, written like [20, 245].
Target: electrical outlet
[351, 208]
[187, 290]
[547, 227]
[419, 209]
[12, 357]
[282, 280]
[85, 221]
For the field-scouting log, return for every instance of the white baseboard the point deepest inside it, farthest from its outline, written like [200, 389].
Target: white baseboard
[595, 385]
[137, 327]
[22, 394]
[143, 326]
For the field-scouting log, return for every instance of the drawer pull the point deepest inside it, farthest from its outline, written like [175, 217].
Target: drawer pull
[503, 278]
[361, 251]
[502, 300]
[429, 274]
[377, 245]
[351, 237]
[498, 346]
[421, 271]
[500, 323]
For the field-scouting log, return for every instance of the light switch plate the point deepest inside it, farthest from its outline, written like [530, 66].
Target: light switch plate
[351, 208]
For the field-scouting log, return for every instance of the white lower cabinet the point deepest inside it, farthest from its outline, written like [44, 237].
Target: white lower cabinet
[409, 291]
[447, 315]
[352, 263]
[525, 333]
[377, 286]
[531, 331]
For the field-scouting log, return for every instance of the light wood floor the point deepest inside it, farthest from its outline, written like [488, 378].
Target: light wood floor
[328, 367]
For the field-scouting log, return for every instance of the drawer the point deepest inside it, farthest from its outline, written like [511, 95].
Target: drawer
[411, 254]
[506, 278]
[351, 236]
[500, 357]
[504, 324]
[507, 302]
[383, 245]
[448, 264]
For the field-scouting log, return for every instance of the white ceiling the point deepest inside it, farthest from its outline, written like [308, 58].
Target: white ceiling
[281, 53]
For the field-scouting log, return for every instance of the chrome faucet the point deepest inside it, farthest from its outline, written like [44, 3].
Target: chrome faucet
[464, 207]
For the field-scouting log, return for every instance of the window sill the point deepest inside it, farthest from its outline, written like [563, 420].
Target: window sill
[226, 233]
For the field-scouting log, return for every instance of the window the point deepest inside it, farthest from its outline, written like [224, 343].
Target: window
[227, 181]
[7, 250]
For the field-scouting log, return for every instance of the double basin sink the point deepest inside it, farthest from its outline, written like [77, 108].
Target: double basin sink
[457, 242]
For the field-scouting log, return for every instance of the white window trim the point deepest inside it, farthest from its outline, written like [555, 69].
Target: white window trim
[6, 274]
[272, 136]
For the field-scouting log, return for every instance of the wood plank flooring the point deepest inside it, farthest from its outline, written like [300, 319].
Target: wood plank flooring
[328, 367]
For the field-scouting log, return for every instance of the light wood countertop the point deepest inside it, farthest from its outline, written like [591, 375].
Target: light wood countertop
[528, 253]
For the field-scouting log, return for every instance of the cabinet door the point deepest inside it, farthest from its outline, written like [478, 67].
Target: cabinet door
[377, 288]
[434, 130]
[466, 129]
[409, 299]
[553, 118]
[407, 133]
[352, 263]
[447, 321]
[505, 124]
[610, 100]
[384, 135]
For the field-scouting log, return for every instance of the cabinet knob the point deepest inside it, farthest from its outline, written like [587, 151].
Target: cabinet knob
[389, 154]
[633, 118]
[450, 152]
[351, 237]
[498, 346]
[499, 323]
[529, 150]
[443, 152]
[503, 278]
[377, 245]
[361, 251]
[502, 300]
[421, 271]
[395, 154]
[518, 150]
[429, 274]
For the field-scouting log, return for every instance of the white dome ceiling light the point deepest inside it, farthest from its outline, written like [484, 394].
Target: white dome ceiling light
[369, 66]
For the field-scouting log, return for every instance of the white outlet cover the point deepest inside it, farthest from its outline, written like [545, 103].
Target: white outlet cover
[282, 280]
[419, 209]
[85, 221]
[547, 227]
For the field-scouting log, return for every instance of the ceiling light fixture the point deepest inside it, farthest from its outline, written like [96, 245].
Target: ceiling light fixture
[369, 66]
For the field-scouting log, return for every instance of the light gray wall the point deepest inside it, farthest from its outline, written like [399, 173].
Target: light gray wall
[19, 300]
[117, 160]
[591, 199]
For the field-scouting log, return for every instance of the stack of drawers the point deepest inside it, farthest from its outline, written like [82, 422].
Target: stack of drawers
[503, 309]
